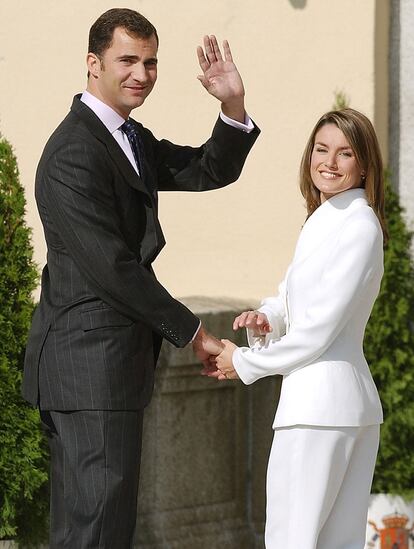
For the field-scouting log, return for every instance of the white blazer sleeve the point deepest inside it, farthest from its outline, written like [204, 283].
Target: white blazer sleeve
[275, 310]
[356, 256]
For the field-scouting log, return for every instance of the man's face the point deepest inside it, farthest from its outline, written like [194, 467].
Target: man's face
[126, 73]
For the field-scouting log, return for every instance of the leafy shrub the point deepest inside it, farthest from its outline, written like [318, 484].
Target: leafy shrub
[23, 455]
[389, 349]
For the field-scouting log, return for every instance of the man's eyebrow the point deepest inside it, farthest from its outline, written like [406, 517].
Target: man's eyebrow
[132, 57]
[136, 58]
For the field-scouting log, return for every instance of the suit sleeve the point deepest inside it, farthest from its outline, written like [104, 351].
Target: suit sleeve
[78, 197]
[214, 165]
[347, 273]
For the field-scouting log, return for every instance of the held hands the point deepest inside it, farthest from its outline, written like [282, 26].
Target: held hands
[210, 351]
[221, 78]
[206, 347]
[217, 356]
[221, 366]
[224, 361]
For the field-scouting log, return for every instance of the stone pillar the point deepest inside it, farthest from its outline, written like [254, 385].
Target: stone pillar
[206, 445]
[401, 112]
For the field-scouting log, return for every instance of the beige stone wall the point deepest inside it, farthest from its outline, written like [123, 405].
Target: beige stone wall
[293, 55]
[188, 500]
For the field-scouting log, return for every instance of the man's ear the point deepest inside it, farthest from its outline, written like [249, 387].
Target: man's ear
[94, 65]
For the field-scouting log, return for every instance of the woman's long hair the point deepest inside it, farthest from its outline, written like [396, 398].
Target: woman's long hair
[361, 136]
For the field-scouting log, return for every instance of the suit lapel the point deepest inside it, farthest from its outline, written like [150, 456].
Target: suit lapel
[154, 234]
[100, 132]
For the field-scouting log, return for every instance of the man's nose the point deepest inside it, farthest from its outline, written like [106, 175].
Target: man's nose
[139, 73]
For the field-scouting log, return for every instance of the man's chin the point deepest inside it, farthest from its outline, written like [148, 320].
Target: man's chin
[137, 103]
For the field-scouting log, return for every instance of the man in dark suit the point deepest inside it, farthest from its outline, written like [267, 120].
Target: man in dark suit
[102, 314]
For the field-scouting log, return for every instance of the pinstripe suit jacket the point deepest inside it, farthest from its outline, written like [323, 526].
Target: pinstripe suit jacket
[102, 314]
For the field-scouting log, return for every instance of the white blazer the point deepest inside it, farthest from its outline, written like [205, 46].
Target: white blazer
[319, 318]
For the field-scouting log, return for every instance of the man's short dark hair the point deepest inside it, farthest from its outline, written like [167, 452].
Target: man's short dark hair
[102, 31]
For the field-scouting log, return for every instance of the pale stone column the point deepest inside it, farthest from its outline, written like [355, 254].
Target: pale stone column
[402, 102]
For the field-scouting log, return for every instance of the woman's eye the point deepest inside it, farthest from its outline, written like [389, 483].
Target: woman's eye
[321, 150]
[347, 154]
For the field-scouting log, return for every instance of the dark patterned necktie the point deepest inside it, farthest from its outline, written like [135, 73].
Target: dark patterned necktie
[136, 145]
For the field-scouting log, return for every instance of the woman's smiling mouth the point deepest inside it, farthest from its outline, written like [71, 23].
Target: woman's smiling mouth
[330, 175]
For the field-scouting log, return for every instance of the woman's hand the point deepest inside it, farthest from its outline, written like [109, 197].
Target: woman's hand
[224, 361]
[255, 321]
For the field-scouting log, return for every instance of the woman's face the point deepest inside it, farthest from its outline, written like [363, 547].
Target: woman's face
[333, 168]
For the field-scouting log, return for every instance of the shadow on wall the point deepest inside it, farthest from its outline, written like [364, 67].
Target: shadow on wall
[298, 4]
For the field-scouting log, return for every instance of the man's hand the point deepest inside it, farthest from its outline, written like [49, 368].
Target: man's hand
[255, 321]
[221, 78]
[206, 346]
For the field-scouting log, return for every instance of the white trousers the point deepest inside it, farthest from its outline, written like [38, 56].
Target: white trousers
[318, 486]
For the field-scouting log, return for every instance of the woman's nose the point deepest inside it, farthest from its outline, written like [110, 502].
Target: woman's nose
[330, 162]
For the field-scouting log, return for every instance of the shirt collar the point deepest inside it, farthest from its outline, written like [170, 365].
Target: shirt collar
[109, 118]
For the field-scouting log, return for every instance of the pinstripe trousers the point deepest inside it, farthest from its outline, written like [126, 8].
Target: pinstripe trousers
[318, 486]
[95, 459]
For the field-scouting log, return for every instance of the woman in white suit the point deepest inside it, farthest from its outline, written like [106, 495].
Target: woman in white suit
[326, 438]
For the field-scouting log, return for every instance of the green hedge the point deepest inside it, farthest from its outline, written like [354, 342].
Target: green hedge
[23, 455]
[389, 349]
